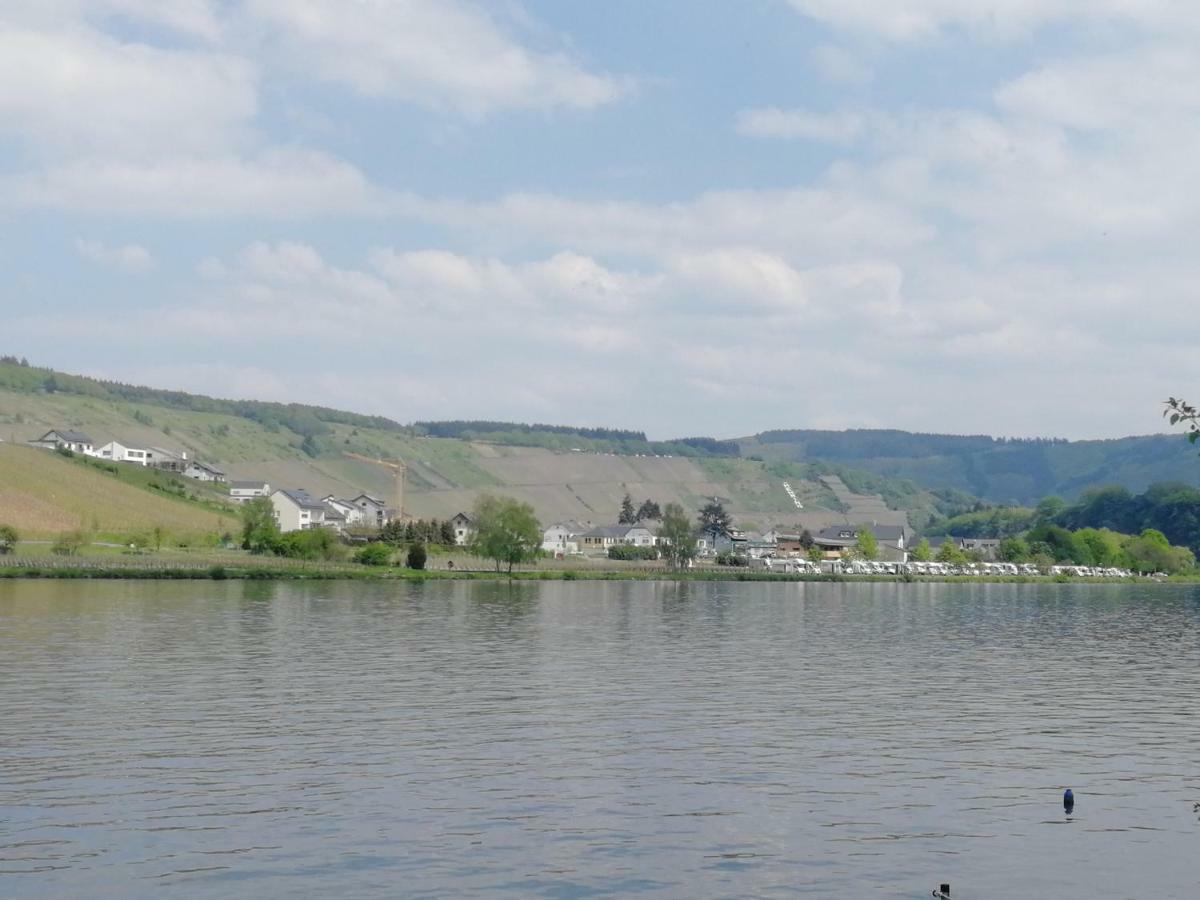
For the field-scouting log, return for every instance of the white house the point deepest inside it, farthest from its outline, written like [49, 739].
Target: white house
[245, 491]
[462, 528]
[170, 460]
[563, 538]
[204, 471]
[118, 452]
[608, 535]
[347, 509]
[296, 510]
[58, 439]
[374, 512]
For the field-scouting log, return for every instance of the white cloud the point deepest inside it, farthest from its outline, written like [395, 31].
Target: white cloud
[831, 221]
[130, 257]
[74, 91]
[838, 65]
[916, 19]
[838, 127]
[742, 280]
[273, 184]
[440, 53]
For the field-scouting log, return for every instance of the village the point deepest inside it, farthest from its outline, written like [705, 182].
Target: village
[832, 550]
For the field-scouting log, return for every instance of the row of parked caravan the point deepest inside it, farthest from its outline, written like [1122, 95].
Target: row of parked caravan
[983, 569]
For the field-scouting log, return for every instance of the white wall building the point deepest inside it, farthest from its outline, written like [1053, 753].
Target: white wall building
[462, 528]
[118, 452]
[204, 472]
[563, 538]
[245, 491]
[374, 512]
[59, 439]
[349, 511]
[296, 510]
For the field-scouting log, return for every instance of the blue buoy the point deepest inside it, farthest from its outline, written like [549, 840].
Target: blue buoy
[1068, 800]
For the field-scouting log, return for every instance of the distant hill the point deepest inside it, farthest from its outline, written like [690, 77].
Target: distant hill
[564, 472]
[996, 469]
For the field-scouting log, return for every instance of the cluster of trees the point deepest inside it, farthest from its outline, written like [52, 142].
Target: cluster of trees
[632, 516]
[566, 437]
[1049, 544]
[1172, 509]
[473, 429]
[418, 531]
[1148, 551]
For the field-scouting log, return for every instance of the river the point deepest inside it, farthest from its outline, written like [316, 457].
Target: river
[558, 739]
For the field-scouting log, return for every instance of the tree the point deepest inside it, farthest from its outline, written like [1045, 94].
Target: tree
[260, 531]
[815, 555]
[628, 515]
[69, 543]
[1013, 550]
[806, 539]
[1050, 508]
[447, 534]
[950, 554]
[506, 531]
[648, 510]
[866, 547]
[393, 532]
[1152, 552]
[923, 552]
[416, 556]
[8, 539]
[714, 520]
[676, 535]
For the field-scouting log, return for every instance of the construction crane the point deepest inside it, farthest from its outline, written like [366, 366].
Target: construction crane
[399, 472]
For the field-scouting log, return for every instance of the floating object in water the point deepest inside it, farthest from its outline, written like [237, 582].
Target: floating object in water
[943, 892]
[1068, 800]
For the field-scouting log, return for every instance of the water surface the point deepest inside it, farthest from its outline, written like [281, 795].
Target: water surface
[598, 739]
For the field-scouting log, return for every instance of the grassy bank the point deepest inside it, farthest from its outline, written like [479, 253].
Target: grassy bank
[220, 567]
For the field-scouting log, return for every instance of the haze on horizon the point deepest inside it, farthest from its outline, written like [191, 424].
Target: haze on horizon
[685, 217]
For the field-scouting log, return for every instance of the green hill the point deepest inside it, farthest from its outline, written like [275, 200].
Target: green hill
[996, 469]
[564, 473]
[884, 476]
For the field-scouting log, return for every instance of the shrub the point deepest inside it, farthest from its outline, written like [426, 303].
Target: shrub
[416, 556]
[217, 573]
[8, 539]
[68, 543]
[729, 558]
[378, 554]
[630, 552]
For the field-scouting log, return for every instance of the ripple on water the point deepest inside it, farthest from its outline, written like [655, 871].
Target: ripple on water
[575, 740]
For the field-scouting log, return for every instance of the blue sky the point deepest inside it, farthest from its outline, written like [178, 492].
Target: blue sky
[700, 217]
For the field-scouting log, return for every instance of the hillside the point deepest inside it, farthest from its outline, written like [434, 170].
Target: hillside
[42, 494]
[999, 470]
[298, 446]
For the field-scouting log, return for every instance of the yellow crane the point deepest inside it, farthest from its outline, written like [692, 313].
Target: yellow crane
[399, 472]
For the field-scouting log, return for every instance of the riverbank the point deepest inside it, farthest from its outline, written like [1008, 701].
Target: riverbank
[272, 569]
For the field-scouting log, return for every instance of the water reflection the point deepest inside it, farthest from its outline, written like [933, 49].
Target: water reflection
[568, 739]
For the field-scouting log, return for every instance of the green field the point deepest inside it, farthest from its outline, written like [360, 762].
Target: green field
[43, 494]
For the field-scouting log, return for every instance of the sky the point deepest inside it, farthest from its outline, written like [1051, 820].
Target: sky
[689, 217]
